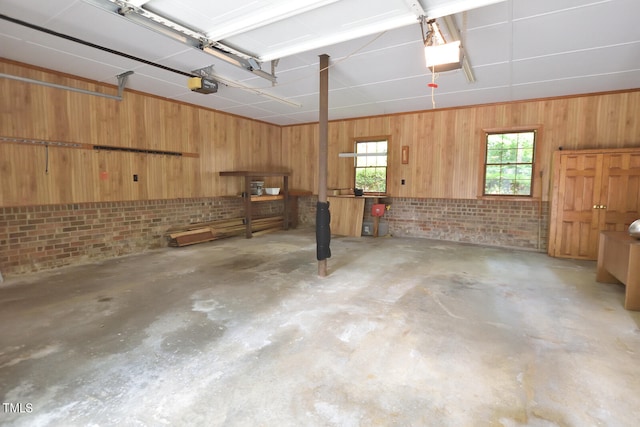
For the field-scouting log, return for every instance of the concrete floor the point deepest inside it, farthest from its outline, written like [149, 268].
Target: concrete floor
[404, 332]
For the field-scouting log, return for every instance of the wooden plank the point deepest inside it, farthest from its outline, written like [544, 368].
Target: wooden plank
[346, 215]
[214, 224]
[255, 174]
[191, 239]
[190, 232]
[267, 198]
[203, 232]
[266, 231]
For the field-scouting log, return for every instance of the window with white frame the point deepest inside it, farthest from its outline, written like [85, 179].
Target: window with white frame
[371, 165]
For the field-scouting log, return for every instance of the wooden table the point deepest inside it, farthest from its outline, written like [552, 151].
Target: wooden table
[619, 261]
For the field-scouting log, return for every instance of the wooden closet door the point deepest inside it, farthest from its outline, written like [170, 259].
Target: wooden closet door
[620, 194]
[575, 223]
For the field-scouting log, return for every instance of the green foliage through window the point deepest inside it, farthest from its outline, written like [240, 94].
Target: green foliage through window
[509, 163]
[371, 166]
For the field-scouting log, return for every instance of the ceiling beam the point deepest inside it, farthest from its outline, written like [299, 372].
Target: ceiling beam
[414, 12]
[277, 11]
[454, 34]
[453, 7]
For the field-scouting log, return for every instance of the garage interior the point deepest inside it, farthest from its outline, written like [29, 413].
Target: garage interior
[145, 281]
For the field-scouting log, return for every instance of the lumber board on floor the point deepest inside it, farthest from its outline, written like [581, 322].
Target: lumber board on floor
[213, 230]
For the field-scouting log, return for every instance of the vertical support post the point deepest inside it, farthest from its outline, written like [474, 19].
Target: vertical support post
[323, 149]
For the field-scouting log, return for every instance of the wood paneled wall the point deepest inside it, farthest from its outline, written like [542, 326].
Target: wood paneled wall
[445, 146]
[31, 176]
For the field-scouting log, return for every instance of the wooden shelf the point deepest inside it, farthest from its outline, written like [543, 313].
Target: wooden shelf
[254, 174]
[248, 175]
[266, 198]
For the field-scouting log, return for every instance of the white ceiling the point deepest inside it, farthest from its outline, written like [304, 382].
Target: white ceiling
[518, 49]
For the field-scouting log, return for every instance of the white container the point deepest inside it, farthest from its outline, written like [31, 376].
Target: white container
[272, 191]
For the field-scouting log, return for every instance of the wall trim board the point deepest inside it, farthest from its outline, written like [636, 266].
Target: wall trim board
[84, 146]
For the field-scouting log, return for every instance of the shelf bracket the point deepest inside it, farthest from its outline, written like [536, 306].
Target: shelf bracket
[122, 82]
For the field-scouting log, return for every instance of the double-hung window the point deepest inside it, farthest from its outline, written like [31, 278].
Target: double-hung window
[509, 163]
[371, 165]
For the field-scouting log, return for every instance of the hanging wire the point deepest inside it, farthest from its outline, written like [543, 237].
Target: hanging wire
[333, 64]
[336, 62]
[431, 36]
[433, 85]
[433, 89]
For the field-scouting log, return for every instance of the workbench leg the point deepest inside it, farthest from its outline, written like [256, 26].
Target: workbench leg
[293, 211]
[285, 181]
[376, 219]
[632, 290]
[247, 206]
[602, 275]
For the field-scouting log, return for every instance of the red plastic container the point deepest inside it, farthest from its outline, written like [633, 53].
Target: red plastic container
[377, 210]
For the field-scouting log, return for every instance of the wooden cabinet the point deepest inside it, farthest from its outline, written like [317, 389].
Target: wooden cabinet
[593, 191]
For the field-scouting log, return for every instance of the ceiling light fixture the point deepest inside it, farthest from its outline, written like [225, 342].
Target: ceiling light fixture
[439, 55]
[446, 12]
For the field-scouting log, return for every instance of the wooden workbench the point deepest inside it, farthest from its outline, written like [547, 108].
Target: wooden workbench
[619, 261]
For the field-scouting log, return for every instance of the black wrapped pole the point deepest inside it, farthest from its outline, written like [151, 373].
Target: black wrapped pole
[323, 217]
[323, 231]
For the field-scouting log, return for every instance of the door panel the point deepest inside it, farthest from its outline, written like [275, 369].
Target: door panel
[579, 189]
[620, 191]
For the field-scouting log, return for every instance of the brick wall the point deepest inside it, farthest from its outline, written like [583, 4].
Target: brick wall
[507, 223]
[307, 210]
[42, 237]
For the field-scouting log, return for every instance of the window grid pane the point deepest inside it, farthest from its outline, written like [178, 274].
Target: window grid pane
[509, 163]
[371, 171]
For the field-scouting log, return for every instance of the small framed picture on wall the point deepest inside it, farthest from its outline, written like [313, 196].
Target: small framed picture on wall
[405, 154]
